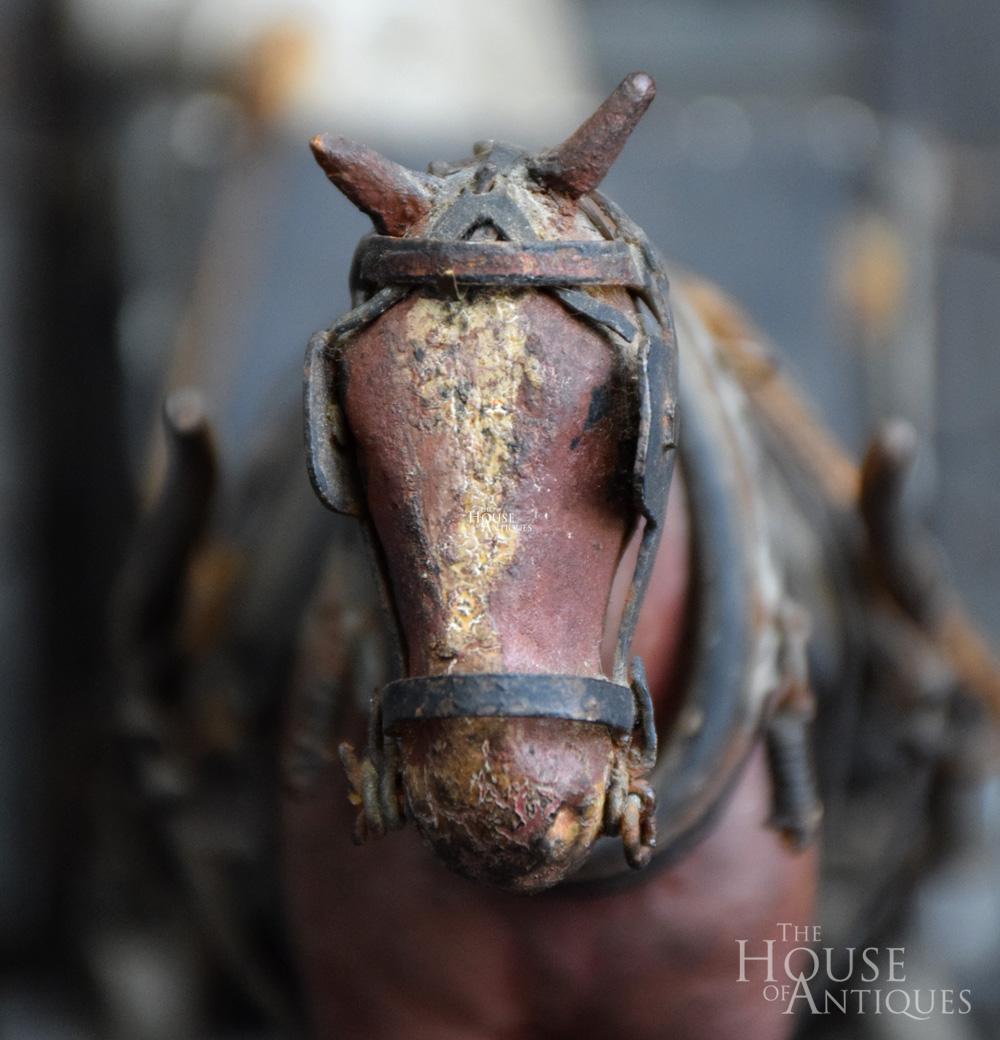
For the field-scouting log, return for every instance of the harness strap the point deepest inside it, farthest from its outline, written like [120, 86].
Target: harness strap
[572, 697]
[383, 260]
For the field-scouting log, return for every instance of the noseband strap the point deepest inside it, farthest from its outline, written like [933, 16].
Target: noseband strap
[575, 698]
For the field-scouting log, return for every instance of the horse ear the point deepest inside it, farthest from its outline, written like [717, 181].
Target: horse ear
[581, 162]
[394, 197]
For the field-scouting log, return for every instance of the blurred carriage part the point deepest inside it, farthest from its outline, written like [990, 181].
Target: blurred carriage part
[310, 63]
[159, 231]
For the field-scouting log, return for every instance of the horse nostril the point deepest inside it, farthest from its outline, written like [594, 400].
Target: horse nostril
[512, 802]
[564, 832]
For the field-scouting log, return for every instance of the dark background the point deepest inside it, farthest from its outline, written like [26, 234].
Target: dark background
[835, 166]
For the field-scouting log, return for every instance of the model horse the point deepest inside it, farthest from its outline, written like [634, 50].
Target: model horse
[580, 685]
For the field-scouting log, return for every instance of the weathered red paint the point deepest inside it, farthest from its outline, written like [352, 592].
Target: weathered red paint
[558, 479]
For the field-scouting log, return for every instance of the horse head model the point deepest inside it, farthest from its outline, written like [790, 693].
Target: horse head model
[500, 409]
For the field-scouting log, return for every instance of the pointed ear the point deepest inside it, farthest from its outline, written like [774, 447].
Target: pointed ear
[394, 197]
[581, 162]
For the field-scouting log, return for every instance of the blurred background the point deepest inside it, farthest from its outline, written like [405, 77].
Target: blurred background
[835, 166]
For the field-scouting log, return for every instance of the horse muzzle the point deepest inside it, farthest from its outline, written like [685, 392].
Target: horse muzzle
[510, 778]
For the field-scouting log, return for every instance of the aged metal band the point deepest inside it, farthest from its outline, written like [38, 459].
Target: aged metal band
[365, 313]
[573, 697]
[582, 304]
[383, 260]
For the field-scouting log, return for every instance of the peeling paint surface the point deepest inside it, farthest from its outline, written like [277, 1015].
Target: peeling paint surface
[514, 802]
[444, 342]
